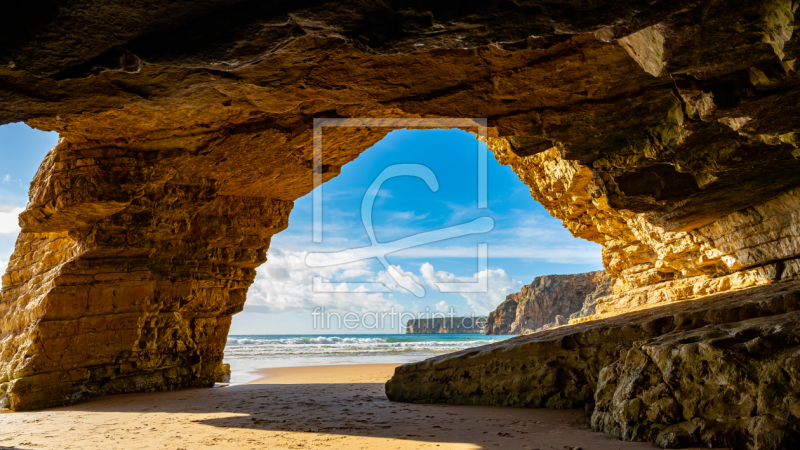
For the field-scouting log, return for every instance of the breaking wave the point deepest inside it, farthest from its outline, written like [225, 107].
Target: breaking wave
[275, 346]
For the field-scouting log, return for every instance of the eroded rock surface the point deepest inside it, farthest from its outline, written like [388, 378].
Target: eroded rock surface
[502, 318]
[547, 302]
[649, 263]
[718, 371]
[725, 385]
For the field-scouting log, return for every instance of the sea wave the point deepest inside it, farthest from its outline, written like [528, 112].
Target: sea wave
[302, 346]
[323, 340]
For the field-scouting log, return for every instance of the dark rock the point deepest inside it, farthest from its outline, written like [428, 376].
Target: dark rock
[446, 325]
[724, 385]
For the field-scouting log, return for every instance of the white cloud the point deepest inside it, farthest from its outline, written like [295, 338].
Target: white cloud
[285, 284]
[444, 308]
[409, 216]
[499, 282]
[432, 276]
[3, 265]
[9, 219]
[529, 241]
[7, 179]
[500, 285]
[384, 277]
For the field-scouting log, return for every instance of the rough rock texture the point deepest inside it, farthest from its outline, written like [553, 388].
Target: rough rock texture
[545, 303]
[500, 320]
[589, 307]
[446, 325]
[651, 264]
[720, 371]
[664, 130]
[222, 374]
[675, 192]
[730, 385]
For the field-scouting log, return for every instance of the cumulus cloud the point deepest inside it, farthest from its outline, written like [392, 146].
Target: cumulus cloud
[444, 308]
[499, 283]
[9, 219]
[285, 283]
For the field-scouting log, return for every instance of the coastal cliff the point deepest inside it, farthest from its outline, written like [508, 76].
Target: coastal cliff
[547, 302]
[446, 325]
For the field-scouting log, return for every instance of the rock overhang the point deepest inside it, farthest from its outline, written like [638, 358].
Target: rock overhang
[658, 129]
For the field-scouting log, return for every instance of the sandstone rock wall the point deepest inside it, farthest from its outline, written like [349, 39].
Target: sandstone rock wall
[649, 263]
[133, 301]
[173, 171]
[649, 192]
[547, 302]
[446, 325]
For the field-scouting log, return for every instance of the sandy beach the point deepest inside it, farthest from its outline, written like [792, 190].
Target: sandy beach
[297, 408]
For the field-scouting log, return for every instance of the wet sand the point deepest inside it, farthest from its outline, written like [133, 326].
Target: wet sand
[298, 408]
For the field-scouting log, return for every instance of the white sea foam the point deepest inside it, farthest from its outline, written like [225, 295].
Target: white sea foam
[248, 354]
[322, 340]
[248, 347]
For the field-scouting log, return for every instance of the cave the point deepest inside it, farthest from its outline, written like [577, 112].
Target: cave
[663, 130]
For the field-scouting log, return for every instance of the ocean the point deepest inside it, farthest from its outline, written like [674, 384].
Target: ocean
[248, 353]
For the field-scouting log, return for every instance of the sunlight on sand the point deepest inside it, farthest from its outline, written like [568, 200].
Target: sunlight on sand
[342, 407]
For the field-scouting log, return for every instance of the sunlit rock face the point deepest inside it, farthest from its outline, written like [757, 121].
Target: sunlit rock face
[141, 296]
[663, 130]
[691, 191]
[547, 302]
[649, 263]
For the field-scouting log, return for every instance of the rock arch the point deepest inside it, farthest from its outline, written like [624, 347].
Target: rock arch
[664, 130]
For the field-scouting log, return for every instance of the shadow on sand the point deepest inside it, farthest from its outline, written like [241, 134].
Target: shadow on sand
[284, 415]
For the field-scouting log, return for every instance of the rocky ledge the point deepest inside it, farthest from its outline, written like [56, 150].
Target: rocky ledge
[720, 371]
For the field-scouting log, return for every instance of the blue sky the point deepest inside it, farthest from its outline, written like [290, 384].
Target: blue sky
[525, 241]
[22, 149]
